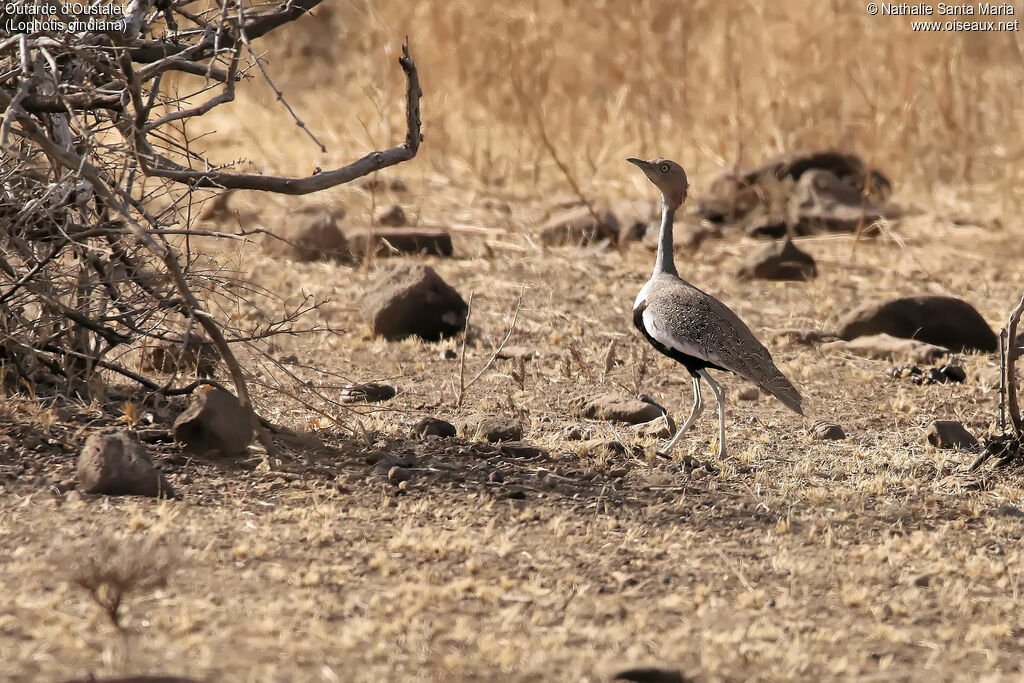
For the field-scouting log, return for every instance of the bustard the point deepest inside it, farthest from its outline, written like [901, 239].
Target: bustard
[693, 327]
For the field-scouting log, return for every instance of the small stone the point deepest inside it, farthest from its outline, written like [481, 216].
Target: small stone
[521, 449]
[825, 430]
[494, 428]
[650, 674]
[214, 422]
[448, 354]
[432, 426]
[782, 261]
[922, 580]
[950, 434]
[309, 236]
[397, 474]
[391, 217]
[116, 463]
[616, 408]
[496, 477]
[748, 394]
[658, 428]
[368, 392]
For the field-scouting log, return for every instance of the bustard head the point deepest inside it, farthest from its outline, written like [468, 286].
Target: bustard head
[668, 176]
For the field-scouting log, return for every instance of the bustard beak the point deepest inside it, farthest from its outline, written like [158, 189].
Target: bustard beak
[637, 162]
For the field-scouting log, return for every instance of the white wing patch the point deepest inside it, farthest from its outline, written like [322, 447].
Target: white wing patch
[665, 339]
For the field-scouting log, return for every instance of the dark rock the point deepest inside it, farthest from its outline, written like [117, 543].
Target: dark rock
[650, 674]
[821, 201]
[950, 434]
[368, 392]
[826, 430]
[922, 580]
[391, 217]
[309, 236]
[887, 347]
[1008, 510]
[383, 242]
[767, 227]
[744, 196]
[214, 422]
[577, 227]
[432, 426]
[781, 261]
[616, 408]
[938, 375]
[116, 463]
[495, 428]
[448, 354]
[942, 320]
[413, 300]
[521, 449]
[599, 446]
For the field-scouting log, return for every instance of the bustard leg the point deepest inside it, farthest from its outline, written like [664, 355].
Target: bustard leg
[698, 408]
[720, 397]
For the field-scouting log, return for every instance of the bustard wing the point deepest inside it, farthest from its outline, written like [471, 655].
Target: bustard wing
[682, 317]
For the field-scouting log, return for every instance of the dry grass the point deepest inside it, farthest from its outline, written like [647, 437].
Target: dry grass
[873, 558]
[710, 84]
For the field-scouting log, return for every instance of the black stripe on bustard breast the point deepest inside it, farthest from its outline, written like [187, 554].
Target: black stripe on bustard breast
[691, 363]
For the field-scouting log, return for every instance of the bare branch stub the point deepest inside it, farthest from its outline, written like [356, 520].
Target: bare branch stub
[88, 263]
[1013, 352]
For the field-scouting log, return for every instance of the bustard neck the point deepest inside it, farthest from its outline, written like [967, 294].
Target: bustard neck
[665, 262]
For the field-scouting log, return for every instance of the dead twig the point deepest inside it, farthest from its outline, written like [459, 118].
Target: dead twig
[463, 387]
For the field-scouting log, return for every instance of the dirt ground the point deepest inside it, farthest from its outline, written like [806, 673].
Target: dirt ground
[872, 558]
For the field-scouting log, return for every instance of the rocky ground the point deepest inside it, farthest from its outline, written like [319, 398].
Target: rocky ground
[548, 539]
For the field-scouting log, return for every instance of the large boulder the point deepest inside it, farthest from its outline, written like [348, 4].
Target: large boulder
[411, 300]
[309, 236]
[116, 463]
[382, 242]
[780, 261]
[942, 320]
[577, 226]
[214, 424]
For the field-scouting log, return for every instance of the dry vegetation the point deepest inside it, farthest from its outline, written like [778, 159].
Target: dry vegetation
[874, 558]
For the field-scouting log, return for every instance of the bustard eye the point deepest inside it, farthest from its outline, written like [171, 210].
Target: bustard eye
[664, 168]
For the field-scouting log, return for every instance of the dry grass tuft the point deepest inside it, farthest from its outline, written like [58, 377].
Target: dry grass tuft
[110, 568]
